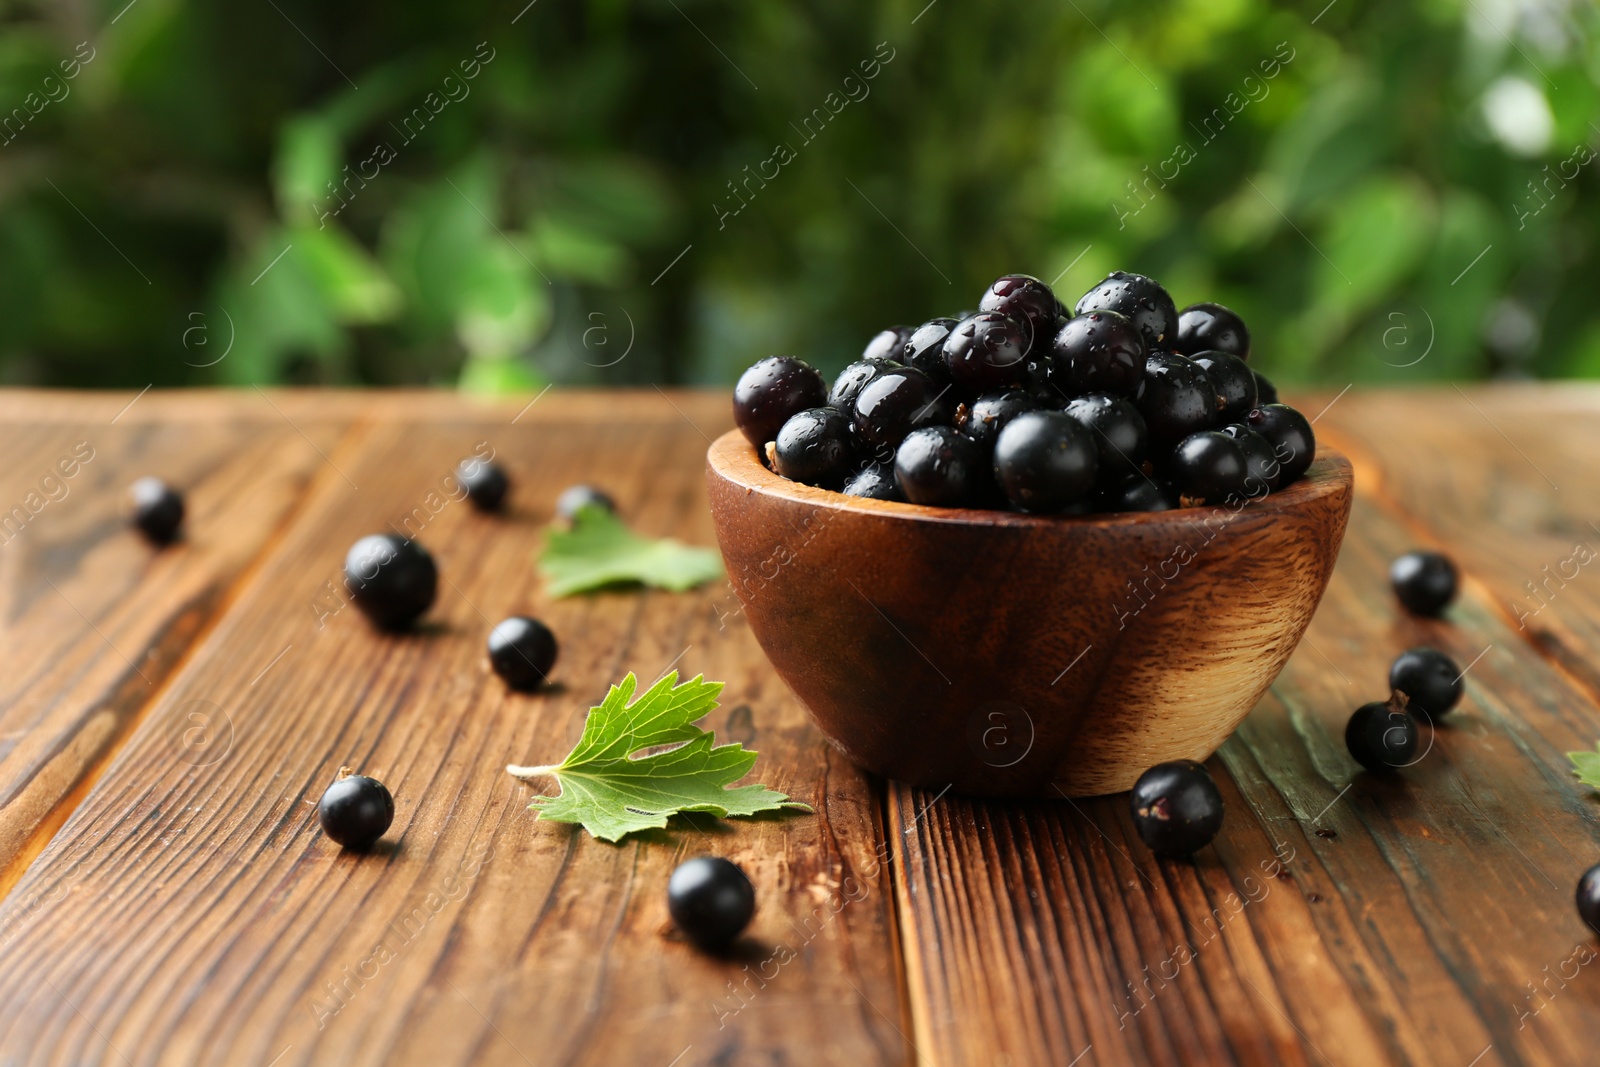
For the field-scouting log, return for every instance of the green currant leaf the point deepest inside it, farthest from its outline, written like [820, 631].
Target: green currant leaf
[599, 550]
[612, 793]
[1586, 765]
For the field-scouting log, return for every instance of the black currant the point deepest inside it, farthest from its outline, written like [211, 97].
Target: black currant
[1176, 399]
[1119, 434]
[895, 403]
[1099, 351]
[814, 447]
[1382, 736]
[1177, 808]
[1290, 436]
[1139, 493]
[1260, 460]
[1045, 461]
[711, 900]
[1208, 468]
[1141, 300]
[392, 579]
[1430, 680]
[985, 417]
[575, 498]
[1266, 392]
[1235, 384]
[1025, 299]
[886, 344]
[772, 390]
[924, 348]
[938, 466]
[876, 481]
[485, 482]
[987, 351]
[157, 509]
[522, 651]
[1211, 328]
[853, 379]
[1589, 897]
[1424, 581]
[355, 811]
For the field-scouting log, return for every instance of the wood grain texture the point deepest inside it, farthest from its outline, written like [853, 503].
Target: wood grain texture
[191, 912]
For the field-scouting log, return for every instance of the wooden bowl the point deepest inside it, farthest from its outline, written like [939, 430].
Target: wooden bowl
[1003, 654]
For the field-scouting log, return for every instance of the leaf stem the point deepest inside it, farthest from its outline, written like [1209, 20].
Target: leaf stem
[530, 772]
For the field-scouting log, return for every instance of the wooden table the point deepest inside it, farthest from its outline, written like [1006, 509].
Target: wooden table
[169, 718]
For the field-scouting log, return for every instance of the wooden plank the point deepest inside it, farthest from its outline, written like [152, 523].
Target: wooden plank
[95, 618]
[194, 914]
[1426, 919]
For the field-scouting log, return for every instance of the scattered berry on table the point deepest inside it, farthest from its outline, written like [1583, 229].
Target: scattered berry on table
[1589, 897]
[485, 482]
[391, 579]
[1045, 461]
[1382, 736]
[711, 900]
[1424, 581]
[575, 498]
[522, 651]
[937, 465]
[1430, 680]
[1176, 808]
[814, 447]
[771, 391]
[1289, 434]
[1208, 468]
[1140, 299]
[1211, 328]
[1235, 384]
[355, 811]
[157, 509]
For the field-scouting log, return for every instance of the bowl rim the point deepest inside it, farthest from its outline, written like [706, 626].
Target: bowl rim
[733, 458]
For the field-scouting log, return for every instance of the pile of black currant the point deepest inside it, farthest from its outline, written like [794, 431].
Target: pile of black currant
[1122, 404]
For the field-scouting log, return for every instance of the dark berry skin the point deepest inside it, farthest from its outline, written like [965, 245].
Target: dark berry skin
[886, 344]
[711, 900]
[1176, 808]
[1099, 351]
[814, 447]
[1235, 384]
[937, 466]
[1045, 461]
[985, 352]
[355, 811]
[522, 651]
[895, 403]
[1260, 460]
[575, 498]
[1139, 494]
[1381, 737]
[1266, 392]
[1141, 300]
[1208, 468]
[157, 510]
[770, 392]
[391, 579]
[1118, 431]
[875, 481]
[1176, 399]
[1589, 897]
[1025, 299]
[485, 482]
[1425, 582]
[853, 379]
[986, 416]
[1211, 328]
[1290, 436]
[924, 349]
[1430, 680]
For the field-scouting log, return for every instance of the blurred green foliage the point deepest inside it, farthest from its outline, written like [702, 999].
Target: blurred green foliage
[620, 192]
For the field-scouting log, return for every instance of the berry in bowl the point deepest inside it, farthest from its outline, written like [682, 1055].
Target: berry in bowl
[1027, 552]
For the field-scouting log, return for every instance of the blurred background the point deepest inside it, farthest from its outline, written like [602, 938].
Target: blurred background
[497, 196]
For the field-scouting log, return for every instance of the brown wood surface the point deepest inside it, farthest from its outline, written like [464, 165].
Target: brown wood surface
[176, 904]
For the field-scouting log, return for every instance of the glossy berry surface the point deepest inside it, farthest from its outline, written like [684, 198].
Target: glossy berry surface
[895, 403]
[987, 351]
[391, 579]
[1234, 382]
[1139, 493]
[711, 900]
[815, 447]
[1118, 432]
[157, 509]
[1211, 328]
[1589, 897]
[522, 651]
[770, 392]
[1430, 680]
[924, 348]
[485, 482]
[1261, 462]
[575, 498]
[986, 416]
[1266, 392]
[1424, 581]
[1027, 300]
[1176, 808]
[1290, 436]
[1045, 461]
[1176, 399]
[1099, 351]
[355, 811]
[874, 481]
[1140, 299]
[854, 378]
[886, 344]
[1208, 468]
[1381, 736]
[937, 465]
